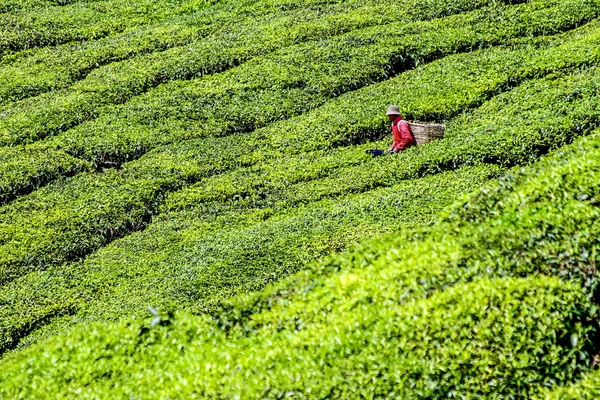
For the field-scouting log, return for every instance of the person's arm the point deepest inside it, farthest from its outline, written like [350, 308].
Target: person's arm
[400, 146]
[404, 143]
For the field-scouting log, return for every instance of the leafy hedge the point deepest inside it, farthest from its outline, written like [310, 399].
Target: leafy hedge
[135, 296]
[73, 218]
[587, 388]
[506, 337]
[194, 40]
[79, 21]
[200, 257]
[41, 166]
[114, 139]
[16, 5]
[26, 121]
[513, 128]
[501, 339]
[497, 299]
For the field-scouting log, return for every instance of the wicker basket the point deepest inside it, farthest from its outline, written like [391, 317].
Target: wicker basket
[423, 132]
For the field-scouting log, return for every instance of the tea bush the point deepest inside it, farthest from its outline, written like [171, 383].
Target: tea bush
[209, 158]
[432, 314]
[193, 39]
[78, 21]
[74, 217]
[200, 257]
[585, 389]
[41, 166]
[114, 139]
[507, 331]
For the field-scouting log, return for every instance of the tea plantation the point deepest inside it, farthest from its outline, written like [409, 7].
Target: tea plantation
[187, 208]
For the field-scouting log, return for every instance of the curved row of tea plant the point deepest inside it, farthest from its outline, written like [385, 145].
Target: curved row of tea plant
[16, 5]
[84, 21]
[234, 102]
[267, 190]
[328, 330]
[80, 21]
[198, 258]
[399, 47]
[356, 351]
[514, 128]
[41, 166]
[74, 217]
[80, 211]
[209, 40]
[29, 73]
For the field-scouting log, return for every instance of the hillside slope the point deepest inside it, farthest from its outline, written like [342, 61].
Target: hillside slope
[208, 158]
[473, 305]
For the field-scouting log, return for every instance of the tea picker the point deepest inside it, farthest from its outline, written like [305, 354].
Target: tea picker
[406, 134]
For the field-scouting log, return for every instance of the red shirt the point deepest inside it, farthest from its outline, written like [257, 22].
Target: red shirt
[402, 135]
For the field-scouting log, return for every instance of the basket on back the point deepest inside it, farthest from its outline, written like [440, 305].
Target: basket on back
[424, 133]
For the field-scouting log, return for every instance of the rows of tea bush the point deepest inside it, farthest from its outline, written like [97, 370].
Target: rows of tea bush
[200, 257]
[79, 21]
[206, 41]
[398, 48]
[16, 5]
[41, 166]
[88, 227]
[496, 133]
[74, 217]
[29, 73]
[464, 308]
[371, 347]
[97, 144]
[227, 103]
[541, 188]
[270, 192]
[315, 333]
[514, 128]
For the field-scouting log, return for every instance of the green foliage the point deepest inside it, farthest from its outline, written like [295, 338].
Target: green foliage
[199, 257]
[75, 217]
[209, 157]
[236, 102]
[587, 388]
[33, 72]
[42, 166]
[77, 21]
[509, 332]
[335, 330]
[487, 343]
[206, 41]
[379, 53]
[101, 211]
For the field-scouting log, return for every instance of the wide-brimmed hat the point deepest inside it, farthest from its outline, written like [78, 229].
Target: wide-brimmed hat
[393, 110]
